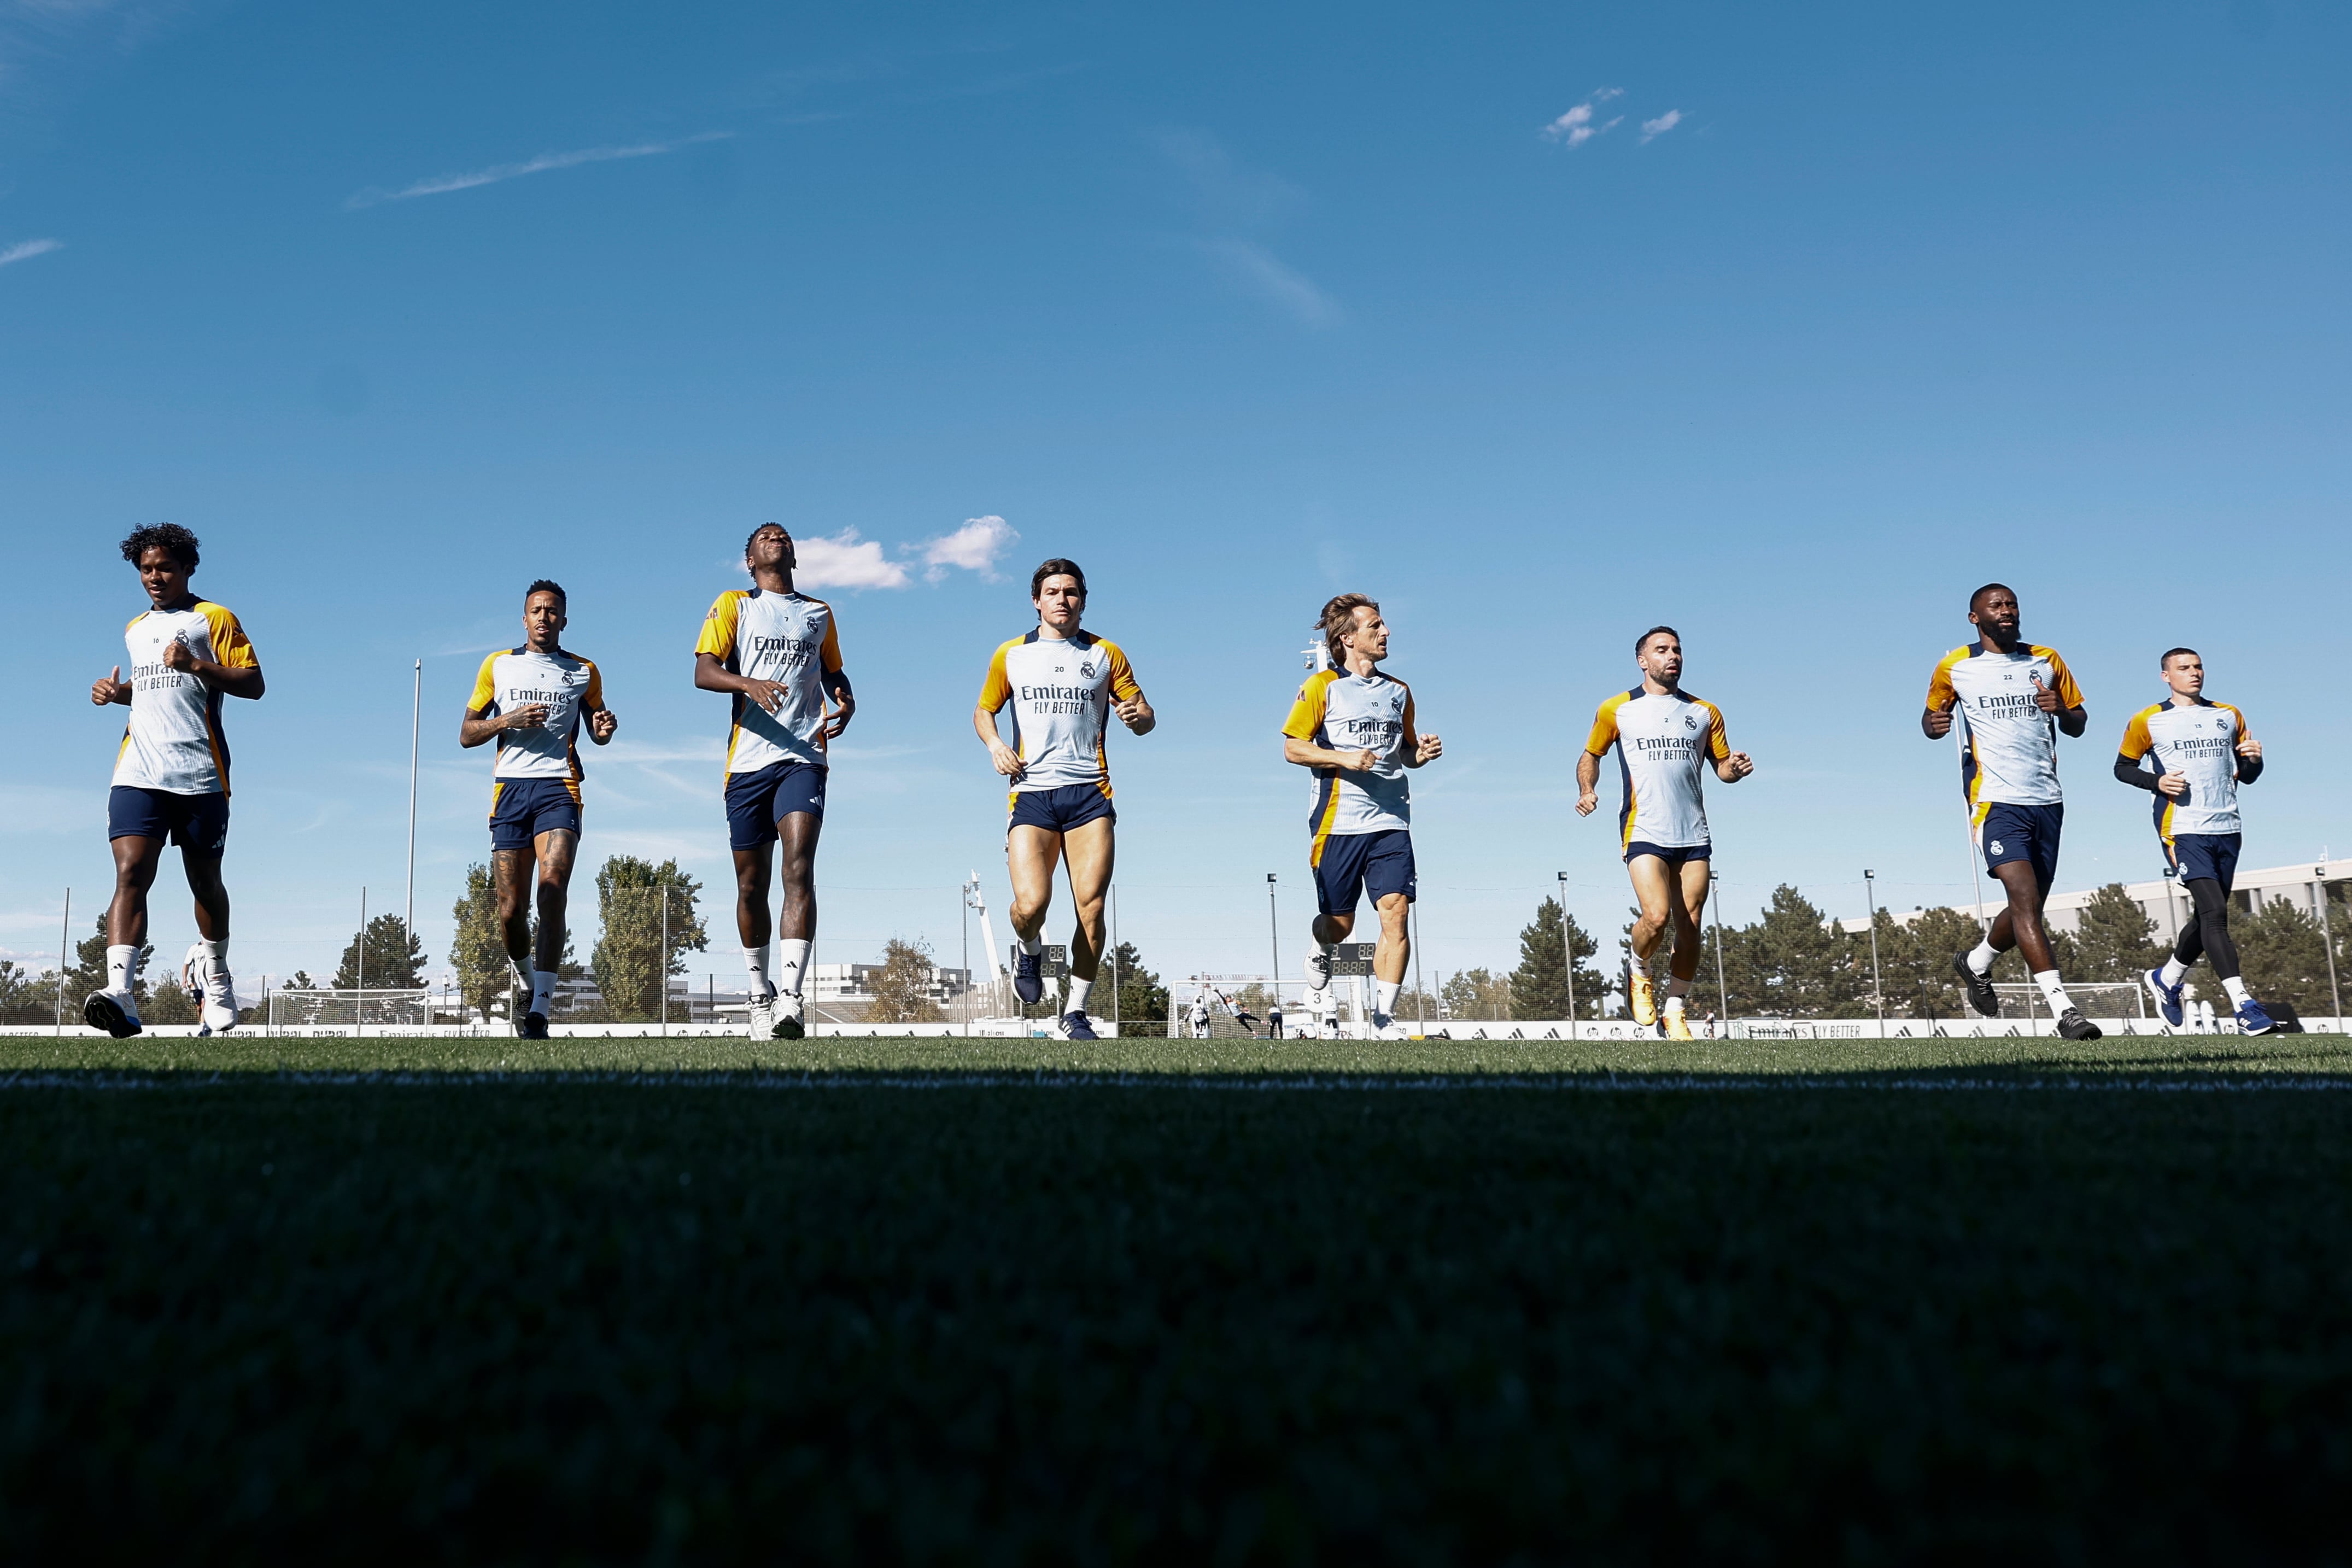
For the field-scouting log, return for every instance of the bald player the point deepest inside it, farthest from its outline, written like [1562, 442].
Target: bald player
[1664, 738]
[2010, 699]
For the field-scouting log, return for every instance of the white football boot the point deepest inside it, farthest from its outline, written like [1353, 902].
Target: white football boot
[209, 987]
[762, 1013]
[791, 1016]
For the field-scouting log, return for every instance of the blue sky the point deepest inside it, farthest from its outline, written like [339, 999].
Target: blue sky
[1538, 323]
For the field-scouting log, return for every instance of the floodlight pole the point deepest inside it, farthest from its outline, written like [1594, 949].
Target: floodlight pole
[359, 1005]
[64, 945]
[661, 975]
[1715, 911]
[1877, 992]
[1567, 952]
[1273, 934]
[2327, 937]
[416, 719]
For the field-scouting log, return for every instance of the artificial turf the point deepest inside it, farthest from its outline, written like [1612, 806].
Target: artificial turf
[1010, 1300]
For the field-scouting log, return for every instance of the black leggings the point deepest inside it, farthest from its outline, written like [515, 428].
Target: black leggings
[2208, 933]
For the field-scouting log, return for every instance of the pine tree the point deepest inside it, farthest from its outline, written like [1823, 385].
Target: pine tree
[395, 959]
[1142, 1000]
[2114, 940]
[479, 951]
[89, 973]
[1540, 984]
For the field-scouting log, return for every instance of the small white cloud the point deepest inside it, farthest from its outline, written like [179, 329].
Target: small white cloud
[441, 184]
[974, 547]
[1653, 129]
[1577, 126]
[845, 561]
[28, 250]
[1256, 269]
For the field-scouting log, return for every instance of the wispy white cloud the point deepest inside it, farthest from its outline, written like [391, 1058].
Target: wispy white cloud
[441, 184]
[1653, 129]
[974, 547]
[1580, 124]
[1257, 269]
[28, 250]
[845, 561]
[1230, 195]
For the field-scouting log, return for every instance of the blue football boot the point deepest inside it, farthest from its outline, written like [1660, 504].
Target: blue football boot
[1027, 984]
[2253, 1020]
[2168, 997]
[1076, 1027]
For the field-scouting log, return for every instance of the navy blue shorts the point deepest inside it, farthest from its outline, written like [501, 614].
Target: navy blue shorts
[2027, 833]
[197, 823]
[522, 809]
[1673, 857]
[763, 797]
[2202, 855]
[1354, 864]
[1059, 810]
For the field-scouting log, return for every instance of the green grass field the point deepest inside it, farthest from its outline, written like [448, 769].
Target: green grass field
[1015, 1301]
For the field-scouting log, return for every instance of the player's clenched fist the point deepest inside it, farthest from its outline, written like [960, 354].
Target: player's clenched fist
[1429, 750]
[110, 689]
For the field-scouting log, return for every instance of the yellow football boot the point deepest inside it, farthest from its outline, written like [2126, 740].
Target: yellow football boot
[1677, 1026]
[1645, 1006]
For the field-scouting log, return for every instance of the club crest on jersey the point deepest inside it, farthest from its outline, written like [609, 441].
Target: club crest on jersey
[1999, 849]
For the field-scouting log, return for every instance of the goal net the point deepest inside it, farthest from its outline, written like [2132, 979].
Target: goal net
[298, 1010]
[2096, 999]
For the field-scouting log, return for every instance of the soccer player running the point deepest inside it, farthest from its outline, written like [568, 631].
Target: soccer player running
[778, 653]
[1663, 736]
[1063, 684]
[1351, 726]
[2192, 753]
[2011, 699]
[532, 700]
[170, 775]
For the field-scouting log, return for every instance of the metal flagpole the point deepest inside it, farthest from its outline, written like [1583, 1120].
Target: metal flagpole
[359, 1004]
[416, 719]
[1274, 936]
[2327, 935]
[1722, 980]
[64, 945]
[1877, 990]
[662, 975]
[1567, 953]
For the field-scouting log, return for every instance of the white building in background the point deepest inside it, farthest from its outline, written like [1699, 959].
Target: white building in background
[854, 983]
[2166, 902]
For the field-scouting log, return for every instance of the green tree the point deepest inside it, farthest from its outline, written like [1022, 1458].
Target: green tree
[89, 973]
[1540, 984]
[2283, 956]
[1142, 999]
[168, 1004]
[902, 985]
[1795, 963]
[478, 952]
[2113, 940]
[26, 997]
[1480, 994]
[395, 959]
[632, 897]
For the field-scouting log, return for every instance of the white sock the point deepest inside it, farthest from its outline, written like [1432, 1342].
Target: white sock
[2236, 986]
[1676, 989]
[1384, 995]
[120, 962]
[755, 959]
[1638, 964]
[216, 954]
[2174, 970]
[1079, 991]
[1031, 946]
[2053, 992]
[1674, 1002]
[791, 958]
[543, 991]
[1981, 958]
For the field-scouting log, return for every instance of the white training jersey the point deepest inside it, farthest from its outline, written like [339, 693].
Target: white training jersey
[1664, 743]
[569, 686]
[2199, 738]
[1345, 712]
[1060, 690]
[2008, 746]
[788, 638]
[174, 741]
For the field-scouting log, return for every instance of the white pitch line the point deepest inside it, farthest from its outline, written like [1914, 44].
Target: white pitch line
[1564, 1083]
